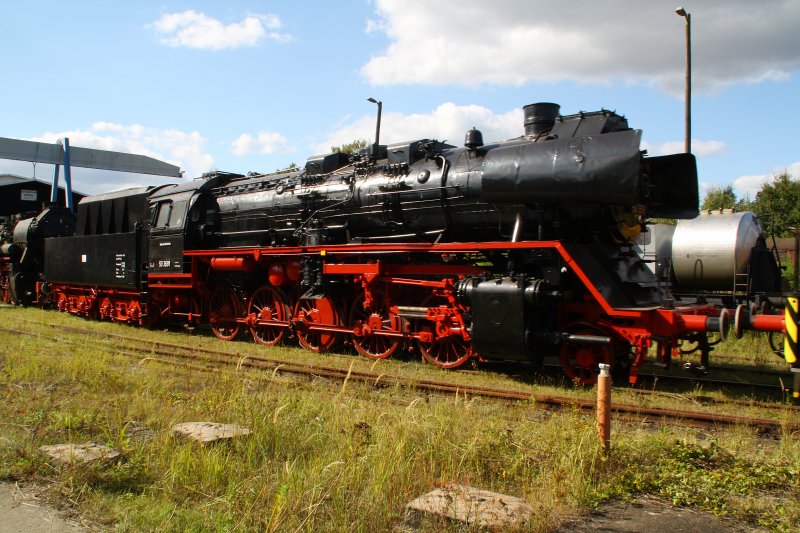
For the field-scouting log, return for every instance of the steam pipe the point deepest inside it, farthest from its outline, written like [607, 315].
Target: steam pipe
[517, 224]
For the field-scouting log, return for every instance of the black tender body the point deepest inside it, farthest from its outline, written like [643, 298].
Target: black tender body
[109, 245]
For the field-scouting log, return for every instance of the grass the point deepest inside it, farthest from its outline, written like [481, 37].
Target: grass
[752, 350]
[330, 457]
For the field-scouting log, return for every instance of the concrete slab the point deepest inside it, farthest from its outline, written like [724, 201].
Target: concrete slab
[23, 512]
[86, 452]
[474, 507]
[206, 432]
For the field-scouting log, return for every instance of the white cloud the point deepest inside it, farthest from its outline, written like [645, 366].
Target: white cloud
[749, 186]
[265, 143]
[197, 30]
[448, 122]
[510, 42]
[699, 148]
[185, 149]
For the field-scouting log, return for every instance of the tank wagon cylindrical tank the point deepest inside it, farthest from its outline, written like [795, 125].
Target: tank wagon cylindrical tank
[718, 252]
[709, 252]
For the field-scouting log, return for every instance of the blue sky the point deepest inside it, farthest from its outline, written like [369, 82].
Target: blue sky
[256, 85]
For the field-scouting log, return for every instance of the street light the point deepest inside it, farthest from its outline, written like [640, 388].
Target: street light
[378, 122]
[688, 97]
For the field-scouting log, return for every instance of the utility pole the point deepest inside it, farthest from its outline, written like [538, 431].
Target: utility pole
[688, 96]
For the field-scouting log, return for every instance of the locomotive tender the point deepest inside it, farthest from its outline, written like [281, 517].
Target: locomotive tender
[513, 250]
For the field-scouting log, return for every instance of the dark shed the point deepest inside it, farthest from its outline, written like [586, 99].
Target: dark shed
[26, 195]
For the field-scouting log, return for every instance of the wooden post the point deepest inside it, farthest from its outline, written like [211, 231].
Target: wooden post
[604, 406]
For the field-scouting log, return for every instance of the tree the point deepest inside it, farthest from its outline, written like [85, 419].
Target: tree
[351, 148]
[719, 198]
[744, 204]
[779, 200]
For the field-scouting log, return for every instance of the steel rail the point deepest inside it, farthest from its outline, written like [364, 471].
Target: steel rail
[687, 417]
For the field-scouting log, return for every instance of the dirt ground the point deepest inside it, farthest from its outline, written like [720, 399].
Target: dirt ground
[21, 511]
[651, 514]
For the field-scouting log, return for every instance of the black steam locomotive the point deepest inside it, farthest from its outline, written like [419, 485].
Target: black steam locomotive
[512, 250]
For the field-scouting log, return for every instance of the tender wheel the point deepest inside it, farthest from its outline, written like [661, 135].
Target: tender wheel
[268, 304]
[310, 312]
[223, 310]
[581, 362]
[376, 319]
[105, 309]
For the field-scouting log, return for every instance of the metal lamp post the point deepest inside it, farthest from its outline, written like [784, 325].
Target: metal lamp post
[378, 121]
[681, 12]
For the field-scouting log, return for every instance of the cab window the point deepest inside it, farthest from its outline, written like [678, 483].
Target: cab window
[163, 215]
[177, 214]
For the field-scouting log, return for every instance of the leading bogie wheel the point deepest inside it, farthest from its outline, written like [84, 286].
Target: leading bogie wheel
[581, 361]
[448, 352]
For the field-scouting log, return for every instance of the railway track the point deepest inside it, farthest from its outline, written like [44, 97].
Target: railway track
[649, 379]
[213, 360]
[772, 395]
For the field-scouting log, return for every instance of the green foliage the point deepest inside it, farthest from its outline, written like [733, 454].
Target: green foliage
[290, 167]
[351, 148]
[777, 202]
[711, 478]
[745, 204]
[669, 221]
[780, 200]
[719, 198]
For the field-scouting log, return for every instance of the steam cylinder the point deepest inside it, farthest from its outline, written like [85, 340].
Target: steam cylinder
[708, 251]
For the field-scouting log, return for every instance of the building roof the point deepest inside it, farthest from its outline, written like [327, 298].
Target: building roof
[14, 179]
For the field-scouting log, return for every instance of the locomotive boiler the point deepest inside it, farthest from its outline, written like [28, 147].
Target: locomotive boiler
[564, 175]
[512, 250]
